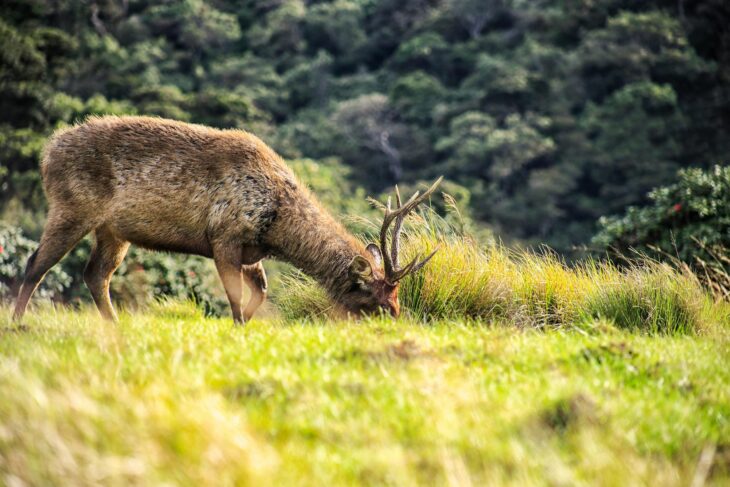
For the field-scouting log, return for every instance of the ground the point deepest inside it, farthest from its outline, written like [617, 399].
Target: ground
[169, 396]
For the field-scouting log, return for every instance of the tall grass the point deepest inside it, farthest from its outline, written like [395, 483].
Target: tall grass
[494, 284]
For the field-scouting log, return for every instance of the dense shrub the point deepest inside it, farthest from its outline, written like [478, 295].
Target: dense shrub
[142, 276]
[688, 221]
[15, 249]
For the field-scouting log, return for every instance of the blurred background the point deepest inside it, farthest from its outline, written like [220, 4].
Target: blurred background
[589, 126]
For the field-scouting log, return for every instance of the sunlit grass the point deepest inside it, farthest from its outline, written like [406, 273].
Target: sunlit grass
[506, 368]
[527, 289]
[169, 396]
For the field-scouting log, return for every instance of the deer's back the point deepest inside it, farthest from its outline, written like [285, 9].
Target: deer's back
[158, 180]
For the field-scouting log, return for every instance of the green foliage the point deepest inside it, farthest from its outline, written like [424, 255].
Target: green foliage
[688, 221]
[551, 115]
[635, 141]
[413, 96]
[197, 24]
[15, 249]
[638, 46]
[479, 149]
[427, 51]
[336, 27]
[496, 76]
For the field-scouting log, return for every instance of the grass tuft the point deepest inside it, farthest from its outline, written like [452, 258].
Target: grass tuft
[301, 298]
[495, 285]
[654, 299]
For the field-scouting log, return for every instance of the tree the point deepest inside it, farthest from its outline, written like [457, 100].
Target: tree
[337, 28]
[493, 161]
[369, 122]
[278, 36]
[634, 145]
[551, 113]
[412, 97]
[474, 15]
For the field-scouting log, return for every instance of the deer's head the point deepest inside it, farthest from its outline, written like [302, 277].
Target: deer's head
[375, 280]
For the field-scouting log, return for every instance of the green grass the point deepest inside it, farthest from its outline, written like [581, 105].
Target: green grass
[506, 368]
[494, 284]
[169, 396]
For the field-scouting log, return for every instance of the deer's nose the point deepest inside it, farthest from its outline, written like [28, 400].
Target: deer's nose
[394, 308]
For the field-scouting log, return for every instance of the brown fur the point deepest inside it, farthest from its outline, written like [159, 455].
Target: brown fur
[173, 186]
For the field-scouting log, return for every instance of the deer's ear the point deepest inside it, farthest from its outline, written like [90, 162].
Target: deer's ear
[360, 269]
[375, 252]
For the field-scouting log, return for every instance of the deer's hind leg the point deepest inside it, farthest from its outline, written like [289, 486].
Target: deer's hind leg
[255, 279]
[107, 255]
[62, 232]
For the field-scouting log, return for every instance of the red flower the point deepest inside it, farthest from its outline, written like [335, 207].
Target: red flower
[677, 207]
[1, 249]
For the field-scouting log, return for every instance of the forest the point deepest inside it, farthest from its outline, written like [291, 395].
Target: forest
[552, 120]
[543, 115]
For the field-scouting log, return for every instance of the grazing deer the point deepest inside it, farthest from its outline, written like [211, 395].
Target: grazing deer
[222, 194]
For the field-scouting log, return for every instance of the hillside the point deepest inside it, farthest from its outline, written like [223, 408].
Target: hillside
[543, 115]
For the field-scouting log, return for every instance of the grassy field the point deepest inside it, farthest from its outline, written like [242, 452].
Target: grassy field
[169, 396]
[506, 368]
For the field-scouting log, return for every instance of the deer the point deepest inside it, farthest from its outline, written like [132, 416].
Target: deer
[172, 186]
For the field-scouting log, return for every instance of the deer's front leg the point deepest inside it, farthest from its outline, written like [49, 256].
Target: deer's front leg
[255, 278]
[228, 263]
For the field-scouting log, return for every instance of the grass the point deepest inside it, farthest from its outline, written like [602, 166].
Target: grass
[169, 396]
[506, 368]
[528, 289]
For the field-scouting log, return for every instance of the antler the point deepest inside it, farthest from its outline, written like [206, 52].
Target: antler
[393, 272]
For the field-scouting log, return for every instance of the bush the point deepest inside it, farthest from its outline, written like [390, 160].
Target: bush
[15, 249]
[688, 221]
[142, 276]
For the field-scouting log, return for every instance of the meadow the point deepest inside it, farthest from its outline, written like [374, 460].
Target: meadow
[507, 368]
[595, 127]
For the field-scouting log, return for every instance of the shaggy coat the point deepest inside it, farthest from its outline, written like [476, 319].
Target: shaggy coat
[173, 186]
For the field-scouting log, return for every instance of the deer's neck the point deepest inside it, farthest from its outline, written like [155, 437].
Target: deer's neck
[307, 236]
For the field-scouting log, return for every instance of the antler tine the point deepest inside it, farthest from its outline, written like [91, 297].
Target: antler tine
[387, 219]
[395, 244]
[401, 273]
[390, 261]
[417, 198]
[412, 267]
[418, 266]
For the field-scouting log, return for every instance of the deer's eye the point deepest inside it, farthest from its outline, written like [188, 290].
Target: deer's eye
[357, 287]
